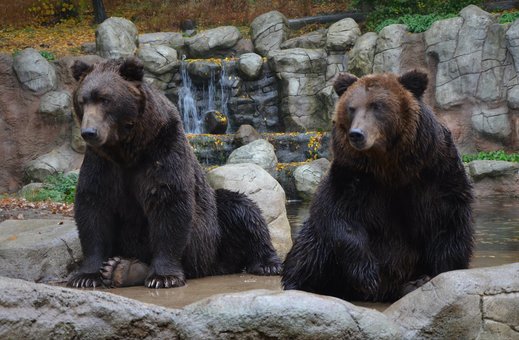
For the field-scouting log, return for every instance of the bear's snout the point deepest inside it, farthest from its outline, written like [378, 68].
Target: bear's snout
[357, 138]
[89, 134]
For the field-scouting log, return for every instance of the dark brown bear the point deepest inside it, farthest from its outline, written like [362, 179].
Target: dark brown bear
[394, 209]
[142, 194]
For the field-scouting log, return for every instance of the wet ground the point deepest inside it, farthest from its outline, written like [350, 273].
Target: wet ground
[497, 242]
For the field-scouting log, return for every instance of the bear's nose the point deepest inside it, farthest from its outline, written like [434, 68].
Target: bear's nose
[89, 133]
[356, 136]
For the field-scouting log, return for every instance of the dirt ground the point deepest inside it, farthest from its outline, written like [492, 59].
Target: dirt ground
[21, 209]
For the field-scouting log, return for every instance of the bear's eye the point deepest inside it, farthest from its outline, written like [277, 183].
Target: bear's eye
[105, 101]
[377, 106]
[351, 110]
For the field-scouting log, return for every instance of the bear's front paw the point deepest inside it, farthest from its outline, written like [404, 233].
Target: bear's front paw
[370, 284]
[86, 280]
[271, 267]
[164, 281]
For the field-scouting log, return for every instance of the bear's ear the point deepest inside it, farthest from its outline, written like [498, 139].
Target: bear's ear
[415, 81]
[343, 81]
[80, 69]
[132, 69]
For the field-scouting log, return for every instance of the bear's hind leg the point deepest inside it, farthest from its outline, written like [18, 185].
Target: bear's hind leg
[246, 240]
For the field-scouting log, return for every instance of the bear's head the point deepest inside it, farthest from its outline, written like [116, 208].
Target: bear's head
[377, 111]
[108, 100]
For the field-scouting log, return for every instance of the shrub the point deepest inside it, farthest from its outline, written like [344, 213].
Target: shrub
[378, 11]
[415, 23]
[499, 155]
[48, 55]
[508, 17]
[50, 12]
[57, 188]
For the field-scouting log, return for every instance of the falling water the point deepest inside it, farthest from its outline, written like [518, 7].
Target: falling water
[187, 103]
[215, 96]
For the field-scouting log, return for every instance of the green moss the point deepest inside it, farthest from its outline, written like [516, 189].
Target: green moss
[508, 17]
[499, 155]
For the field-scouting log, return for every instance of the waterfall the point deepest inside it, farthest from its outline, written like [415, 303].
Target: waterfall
[194, 102]
[191, 117]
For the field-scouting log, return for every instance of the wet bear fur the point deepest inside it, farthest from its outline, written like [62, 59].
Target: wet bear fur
[143, 195]
[395, 208]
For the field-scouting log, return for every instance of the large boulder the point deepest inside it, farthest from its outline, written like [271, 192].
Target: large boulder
[494, 178]
[512, 37]
[250, 65]
[389, 49]
[158, 59]
[268, 31]
[116, 38]
[56, 104]
[263, 189]
[259, 152]
[284, 315]
[362, 55]
[315, 39]
[171, 39]
[308, 176]
[34, 71]
[61, 159]
[38, 250]
[303, 88]
[342, 35]
[216, 42]
[478, 303]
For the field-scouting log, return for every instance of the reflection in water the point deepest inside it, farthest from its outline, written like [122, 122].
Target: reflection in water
[497, 229]
[497, 242]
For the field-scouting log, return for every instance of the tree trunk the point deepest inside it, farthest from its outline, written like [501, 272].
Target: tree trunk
[99, 11]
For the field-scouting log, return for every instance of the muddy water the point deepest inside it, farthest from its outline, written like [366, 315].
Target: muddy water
[497, 242]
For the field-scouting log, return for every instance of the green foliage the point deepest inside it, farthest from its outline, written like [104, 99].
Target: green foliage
[57, 188]
[416, 23]
[508, 17]
[48, 55]
[491, 156]
[378, 11]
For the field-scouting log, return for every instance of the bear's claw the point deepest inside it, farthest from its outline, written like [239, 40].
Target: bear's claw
[164, 281]
[86, 280]
[270, 268]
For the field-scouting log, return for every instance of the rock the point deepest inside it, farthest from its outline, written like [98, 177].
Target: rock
[250, 65]
[38, 250]
[263, 189]
[492, 122]
[88, 48]
[188, 27]
[284, 315]
[342, 35]
[56, 104]
[245, 135]
[203, 70]
[301, 74]
[243, 46]
[478, 303]
[116, 38]
[158, 59]
[77, 143]
[315, 39]
[513, 97]
[308, 176]
[259, 152]
[482, 168]
[171, 39]
[361, 56]
[512, 37]
[215, 122]
[61, 159]
[268, 31]
[216, 42]
[38, 311]
[29, 190]
[389, 49]
[34, 71]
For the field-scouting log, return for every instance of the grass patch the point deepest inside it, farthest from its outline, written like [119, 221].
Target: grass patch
[57, 188]
[499, 155]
